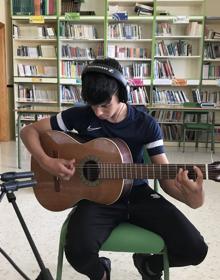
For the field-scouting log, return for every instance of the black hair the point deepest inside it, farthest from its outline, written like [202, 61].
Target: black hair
[101, 79]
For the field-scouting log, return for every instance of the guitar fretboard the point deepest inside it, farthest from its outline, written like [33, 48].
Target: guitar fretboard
[141, 171]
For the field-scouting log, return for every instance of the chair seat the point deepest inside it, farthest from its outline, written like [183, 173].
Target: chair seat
[198, 126]
[121, 241]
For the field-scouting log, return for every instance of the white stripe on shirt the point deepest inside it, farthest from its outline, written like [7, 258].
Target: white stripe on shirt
[61, 123]
[155, 144]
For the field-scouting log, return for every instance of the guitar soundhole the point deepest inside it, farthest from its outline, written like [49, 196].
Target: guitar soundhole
[91, 170]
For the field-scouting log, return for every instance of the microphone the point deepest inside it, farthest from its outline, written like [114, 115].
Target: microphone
[8, 176]
[15, 185]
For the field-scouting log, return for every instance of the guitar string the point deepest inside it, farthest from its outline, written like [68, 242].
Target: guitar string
[147, 169]
[120, 174]
[147, 166]
[126, 166]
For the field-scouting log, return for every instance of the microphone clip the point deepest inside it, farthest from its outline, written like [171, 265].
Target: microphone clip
[11, 184]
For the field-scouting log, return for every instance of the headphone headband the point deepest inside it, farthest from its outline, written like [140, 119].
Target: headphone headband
[112, 72]
[106, 70]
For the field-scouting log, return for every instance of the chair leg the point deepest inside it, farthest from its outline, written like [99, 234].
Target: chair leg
[62, 242]
[196, 140]
[213, 141]
[180, 140]
[156, 185]
[207, 140]
[166, 265]
[184, 139]
[60, 262]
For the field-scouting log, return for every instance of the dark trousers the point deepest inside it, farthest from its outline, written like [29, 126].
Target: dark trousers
[92, 223]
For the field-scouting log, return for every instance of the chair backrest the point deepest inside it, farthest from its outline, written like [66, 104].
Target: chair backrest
[201, 116]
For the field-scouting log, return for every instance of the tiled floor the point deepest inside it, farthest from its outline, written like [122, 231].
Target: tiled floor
[45, 226]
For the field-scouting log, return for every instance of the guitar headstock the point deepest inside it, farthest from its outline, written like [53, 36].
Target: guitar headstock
[214, 171]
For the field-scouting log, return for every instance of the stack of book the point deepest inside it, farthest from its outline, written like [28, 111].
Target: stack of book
[34, 7]
[194, 28]
[212, 51]
[212, 34]
[33, 32]
[143, 9]
[216, 35]
[68, 6]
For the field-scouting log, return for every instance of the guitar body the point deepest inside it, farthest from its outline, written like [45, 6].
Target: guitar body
[56, 195]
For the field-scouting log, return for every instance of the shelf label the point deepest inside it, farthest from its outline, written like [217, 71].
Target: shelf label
[179, 82]
[70, 16]
[78, 81]
[36, 80]
[218, 82]
[181, 19]
[120, 16]
[162, 82]
[36, 19]
[136, 82]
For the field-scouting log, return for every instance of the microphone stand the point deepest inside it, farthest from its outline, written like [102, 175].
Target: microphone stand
[8, 188]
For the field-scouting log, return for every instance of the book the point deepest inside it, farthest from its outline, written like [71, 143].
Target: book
[23, 7]
[143, 9]
[48, 51]
[37, 7]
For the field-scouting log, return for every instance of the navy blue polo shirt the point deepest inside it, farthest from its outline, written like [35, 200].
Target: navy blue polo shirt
[137, 129]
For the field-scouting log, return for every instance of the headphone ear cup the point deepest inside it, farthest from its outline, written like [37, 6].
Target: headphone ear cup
[125, 93]
[128, 88]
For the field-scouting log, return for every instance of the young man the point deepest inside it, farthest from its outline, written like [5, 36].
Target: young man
[104, 90]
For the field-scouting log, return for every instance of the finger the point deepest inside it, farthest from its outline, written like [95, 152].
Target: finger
[178, 184]
[65, 171]
[178, 178]
[199, 174]
[185, 175]
[179, 175]
[70, 163]
[66, 178]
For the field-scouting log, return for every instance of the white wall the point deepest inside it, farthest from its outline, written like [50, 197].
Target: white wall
[212, 8]
[3, 4]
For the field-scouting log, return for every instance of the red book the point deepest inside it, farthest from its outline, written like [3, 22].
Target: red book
[51, 7]
[37, 7]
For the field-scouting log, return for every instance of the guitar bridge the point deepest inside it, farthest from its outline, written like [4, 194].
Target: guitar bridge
[57, 183]
[57, 180]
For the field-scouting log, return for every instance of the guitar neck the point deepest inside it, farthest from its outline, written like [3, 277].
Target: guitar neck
[149, 171]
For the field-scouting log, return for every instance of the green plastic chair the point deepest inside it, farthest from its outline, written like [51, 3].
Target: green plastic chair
[199, 123]
[125, 237]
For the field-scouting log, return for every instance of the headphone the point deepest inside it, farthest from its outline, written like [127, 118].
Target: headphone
[111, 72]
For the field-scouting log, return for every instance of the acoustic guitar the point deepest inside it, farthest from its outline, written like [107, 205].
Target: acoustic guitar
[104, 171]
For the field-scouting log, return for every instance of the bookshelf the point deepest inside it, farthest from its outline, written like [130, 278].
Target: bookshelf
[177, 62]
[161, 45]
[130, 42]
[211, 57]
[210, 92]
[35, 60]
[81, 39]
